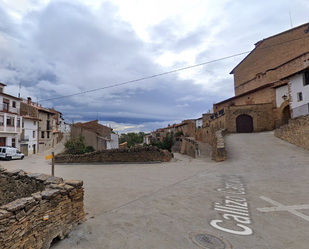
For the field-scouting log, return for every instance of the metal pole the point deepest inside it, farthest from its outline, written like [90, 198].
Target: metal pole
[53, 164]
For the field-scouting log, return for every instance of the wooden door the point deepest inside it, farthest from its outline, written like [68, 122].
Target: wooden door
[244, 124]
[2, 141]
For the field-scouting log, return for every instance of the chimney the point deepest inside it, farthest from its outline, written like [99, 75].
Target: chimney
[29, 101]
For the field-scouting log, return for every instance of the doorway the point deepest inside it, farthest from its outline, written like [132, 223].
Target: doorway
[244, 124]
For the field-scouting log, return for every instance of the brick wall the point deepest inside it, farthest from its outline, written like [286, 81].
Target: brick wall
[296, 132]
[139, 154]
[263, 96]
[28, 110]
[37, 216]
[271, 53]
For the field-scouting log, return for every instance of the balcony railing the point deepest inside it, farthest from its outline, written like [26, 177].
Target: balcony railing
[9, 128]
[23, 138]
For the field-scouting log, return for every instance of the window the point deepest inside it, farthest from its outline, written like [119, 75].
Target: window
[42, 134]
[34, 122]
[33, 134]
[18, 122]
[48, 116]
[10, 121]
[48, 125]
[47, 134]
[13, 142]
[299, 96]
[5, 106]
[14, 104]
[306, 78]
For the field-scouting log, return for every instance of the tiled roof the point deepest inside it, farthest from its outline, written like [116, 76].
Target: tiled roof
[104, 138]
[38, 107]
[93, 126]
[33, 118]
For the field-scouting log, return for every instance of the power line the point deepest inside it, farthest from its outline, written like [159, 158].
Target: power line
[145, 78]
[170, 72]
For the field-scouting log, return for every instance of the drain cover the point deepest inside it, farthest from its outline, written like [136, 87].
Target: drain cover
[209, 241]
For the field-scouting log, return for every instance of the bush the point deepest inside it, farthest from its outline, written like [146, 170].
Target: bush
[89, 148]
[75, 145]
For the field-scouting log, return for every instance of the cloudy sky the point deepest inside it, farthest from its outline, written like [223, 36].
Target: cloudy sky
[58, 48]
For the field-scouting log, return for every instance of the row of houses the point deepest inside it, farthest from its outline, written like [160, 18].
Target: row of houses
[271, 86]
[28, 126]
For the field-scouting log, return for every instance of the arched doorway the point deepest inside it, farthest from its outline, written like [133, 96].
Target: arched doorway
[286, 115]
[244, 124]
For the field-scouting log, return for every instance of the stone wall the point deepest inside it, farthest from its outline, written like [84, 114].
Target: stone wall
[45, 207]
[218, 148]
[189, 147]
[139, 154]
[295, 132]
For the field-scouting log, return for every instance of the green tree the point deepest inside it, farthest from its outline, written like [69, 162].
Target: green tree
[75, 145]
[167, 144]
[132, 138]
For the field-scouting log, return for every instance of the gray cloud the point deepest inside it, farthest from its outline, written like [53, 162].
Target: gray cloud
[66, 48]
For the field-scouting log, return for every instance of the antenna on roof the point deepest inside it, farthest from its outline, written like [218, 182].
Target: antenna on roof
[291, 19]
[19, 89]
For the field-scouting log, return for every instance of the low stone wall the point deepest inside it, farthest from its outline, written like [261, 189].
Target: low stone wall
[45, 207]
[139, 154]
[295, 132]
[219, 152]
[189, 147]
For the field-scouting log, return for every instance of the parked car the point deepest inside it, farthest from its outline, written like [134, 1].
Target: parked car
[10, 153]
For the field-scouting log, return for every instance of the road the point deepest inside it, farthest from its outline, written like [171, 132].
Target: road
[258, 199]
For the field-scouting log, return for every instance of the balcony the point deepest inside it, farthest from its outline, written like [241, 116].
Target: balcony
[23, 138]
[9, 129]
[9, 109]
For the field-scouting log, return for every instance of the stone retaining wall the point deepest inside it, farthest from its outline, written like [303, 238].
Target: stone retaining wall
[295, 132]
[45, 207]
[189, 147]
[139, 154]
[219, 152]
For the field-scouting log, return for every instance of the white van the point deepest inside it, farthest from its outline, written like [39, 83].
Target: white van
[10, 153]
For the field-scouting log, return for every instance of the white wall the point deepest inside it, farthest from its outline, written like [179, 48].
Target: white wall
[199, 122]
[29, 127]
[280, 91]
[64, 127]
[9, 139]
[115, 141]
[296, 85]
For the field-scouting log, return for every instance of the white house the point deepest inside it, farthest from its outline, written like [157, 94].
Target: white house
[29, 136]
[199, 123]
[112, 143]
[64, 127]
[299, 94]
[10, 119]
